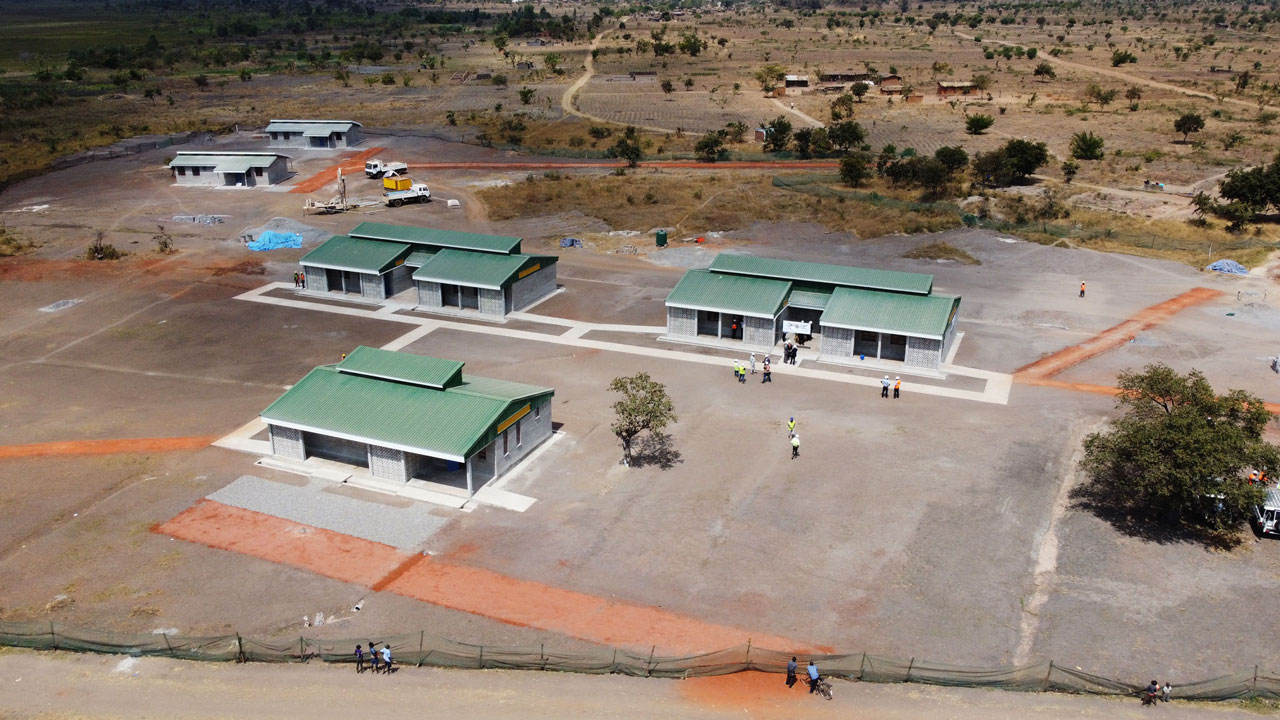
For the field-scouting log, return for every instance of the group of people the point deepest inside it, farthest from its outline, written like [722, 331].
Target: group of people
[897, 387]
[740, 368]
[814, 675]
[300, 280]
[379, 660]
[789, 353]
[795, 439]
[1155, 692]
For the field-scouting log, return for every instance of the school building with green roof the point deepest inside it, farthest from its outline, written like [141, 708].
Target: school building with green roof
[408, 418]
[854, 313]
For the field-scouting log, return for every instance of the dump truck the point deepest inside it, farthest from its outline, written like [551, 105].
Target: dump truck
[417, 193]
[379, 169]
[401, 182]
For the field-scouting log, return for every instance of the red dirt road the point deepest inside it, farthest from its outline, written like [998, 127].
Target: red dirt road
[106, 447]
[668, 164]
[348, 164]
[469, 589]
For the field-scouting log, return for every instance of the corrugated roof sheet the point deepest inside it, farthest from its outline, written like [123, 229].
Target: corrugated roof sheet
[503, 390]
[302, 126]
[224, 162]
[341, 252]
[416, 259]
[406, 417]
[840, 275]
[473, 269]
[705, 290]
[898, 313]
[440, 238]
[402, 367]
[807, 299]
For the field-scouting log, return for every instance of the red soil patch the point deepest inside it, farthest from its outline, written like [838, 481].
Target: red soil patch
[1113, 337]
[750, 691]
[324, 552]
[106, 447]
[349, 164]
[685, 164]
[469, 589]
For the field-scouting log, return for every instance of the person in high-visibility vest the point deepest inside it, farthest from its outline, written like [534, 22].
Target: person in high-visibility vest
[795, 446]
[897, 386]
[1253, 477]
[1081, 288]
[791, 427]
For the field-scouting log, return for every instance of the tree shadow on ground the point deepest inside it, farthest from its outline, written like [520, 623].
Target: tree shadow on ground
[656, 449]
[1136, 521]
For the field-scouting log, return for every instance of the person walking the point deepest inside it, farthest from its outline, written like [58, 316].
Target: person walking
[791, 673]
[897, 386]
[814, 677]
[302, 278]
[753, 363]
[884, 387]
[768, 371]
[374, 661]
[795, 446]
[787, 350]
[791, 427]
[1081, 288]
[735, 369]
[386, 659]
[359, 660]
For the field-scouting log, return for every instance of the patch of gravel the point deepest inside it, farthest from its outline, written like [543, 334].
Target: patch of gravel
[403, 528]
[310, 235]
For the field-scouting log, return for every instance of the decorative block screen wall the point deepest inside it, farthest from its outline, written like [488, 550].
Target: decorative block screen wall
[837, 342]
[287, 442]
[429, 294]
[682, 322]
[387, 463]
[924, 352]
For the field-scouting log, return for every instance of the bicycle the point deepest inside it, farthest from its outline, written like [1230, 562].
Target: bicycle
[823, 686]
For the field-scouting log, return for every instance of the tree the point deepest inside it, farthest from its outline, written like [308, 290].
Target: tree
[1086, 146]
[859, 89]
[1133, 94]
[954, 159]
[644, 407]
[735, 132]
[1069, 169]
[1121, 57]
[500, 41]
[845, 135]
[977, 124]
[526, 95]
[803, 139]
[982, 82]
[690, 44]
[1045, 70]
[201, 81]
[1187, 124]
[667, 86]
[710, 147]
[627, 147]
[842, 106]
[855, 168]
[1095, 93]
[768, 77]
[777, 134]
[688, 83]
[552, 61]
[1011, 164]
[1180, 452]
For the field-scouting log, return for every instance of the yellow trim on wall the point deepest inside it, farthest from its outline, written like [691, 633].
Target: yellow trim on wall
[512, 420]
[529, 271]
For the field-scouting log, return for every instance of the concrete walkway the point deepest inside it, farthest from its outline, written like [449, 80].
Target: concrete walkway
[996, 386]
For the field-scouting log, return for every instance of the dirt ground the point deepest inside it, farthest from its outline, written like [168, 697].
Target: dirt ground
[908, 528]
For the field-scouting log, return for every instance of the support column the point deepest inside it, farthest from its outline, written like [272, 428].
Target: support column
[879, 343]
[470, 492]
[719, 326]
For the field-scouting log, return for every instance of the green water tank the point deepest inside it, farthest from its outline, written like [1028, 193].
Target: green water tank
[662, 238]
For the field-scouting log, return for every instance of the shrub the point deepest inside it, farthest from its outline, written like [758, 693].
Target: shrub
[1086, 146]
[977, 124]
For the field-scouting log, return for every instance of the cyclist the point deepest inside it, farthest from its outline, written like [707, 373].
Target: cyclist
[814, 677]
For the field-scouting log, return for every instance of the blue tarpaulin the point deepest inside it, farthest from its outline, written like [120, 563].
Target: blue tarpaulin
[271, 240]
[1231, 267]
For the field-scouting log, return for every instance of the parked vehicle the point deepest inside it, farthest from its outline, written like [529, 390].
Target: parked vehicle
[402, 182]
[417, 193]
[1266, 517]
[380, 169]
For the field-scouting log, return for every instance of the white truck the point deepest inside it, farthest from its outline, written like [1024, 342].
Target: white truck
[379, 169]
[417, 193]
[1266, 517]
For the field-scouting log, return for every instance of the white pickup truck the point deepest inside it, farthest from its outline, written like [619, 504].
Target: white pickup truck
[417, 193]
[380, 169]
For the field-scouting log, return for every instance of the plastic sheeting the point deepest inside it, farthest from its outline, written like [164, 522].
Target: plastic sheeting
[271, 240]
[1230, 267]
[420, 648]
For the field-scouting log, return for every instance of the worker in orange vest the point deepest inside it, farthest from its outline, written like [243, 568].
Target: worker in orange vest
[1081, 288]
[1253, 477]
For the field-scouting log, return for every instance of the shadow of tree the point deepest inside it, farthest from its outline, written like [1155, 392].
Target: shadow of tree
[1128, 516]
[656, 449]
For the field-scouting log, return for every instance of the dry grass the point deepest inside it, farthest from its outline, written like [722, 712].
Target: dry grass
[698, 203]
[942, 251]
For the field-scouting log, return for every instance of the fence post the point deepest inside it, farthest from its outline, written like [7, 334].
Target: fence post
[422, 636]
[862, 664]
[302, 650]
[239, 649]
[481, 657]
[53, 636]
[613, 667]
[748, 658]
[649, 670]
[909, 666]
[1255, 681]
[167, 644]
[542, 654]
[1048, 673]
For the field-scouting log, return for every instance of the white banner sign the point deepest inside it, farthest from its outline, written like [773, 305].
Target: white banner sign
[792, 326]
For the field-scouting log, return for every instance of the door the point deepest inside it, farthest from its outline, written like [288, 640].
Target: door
[350, 282]
[449, 295]
[895, 347]
[708, 322]
[470, 298]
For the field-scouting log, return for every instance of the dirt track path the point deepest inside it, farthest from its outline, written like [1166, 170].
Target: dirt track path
[569, 100]
[65, 686]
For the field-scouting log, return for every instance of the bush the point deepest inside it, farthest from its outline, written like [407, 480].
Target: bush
[855, 168]
[388, 79]
[977, 124]
[1086, 146]
[100, 250]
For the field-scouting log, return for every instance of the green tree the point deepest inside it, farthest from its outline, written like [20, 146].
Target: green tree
[710, 147]
[1045, 70]
[1069, 169]
[777, 134]
[201, 81]
[1010, 164]
[552, 61]
[627, 147]
[855, 168]
[977, 124]
[847, 134]
[644, 407]
[500, 41]
[690, 44]
[982, 82]
[667, 86]
[1095, 93]
[859, 89]
[1180, 452]
[1188, 123]
[769, 76]
[526, 95]
[735, 132]
[1121, 57]
[1086, 146]
[954, 159]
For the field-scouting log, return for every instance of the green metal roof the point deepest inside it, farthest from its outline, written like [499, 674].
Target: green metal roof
[837, 275]
[807, 299]
[503, 390]
[402, 367]
[919, 315]
[405, 417]
[356, 254]
[705, 290]
[416, 259]
[439, 238]
[311, 126]
[473, 269]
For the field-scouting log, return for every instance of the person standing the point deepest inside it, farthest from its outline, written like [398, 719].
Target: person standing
[374, 661]
[813, 677]
[786, 352]
[884, 387]
[1166, 692]
[791, 427]
[795, 446]
[897, 386]
[302, 278]
[359, 660]
[1081, 288]
[768, 372]
[753, 363]
[735, 369]
[386, 659]
[791, 673]
[742, 371]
